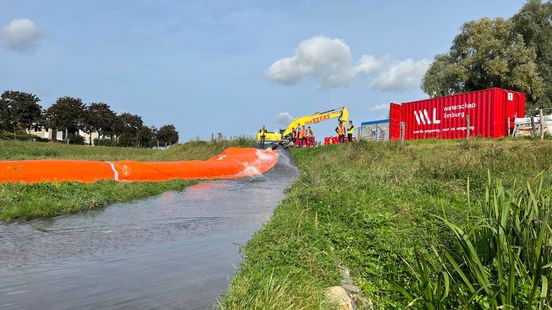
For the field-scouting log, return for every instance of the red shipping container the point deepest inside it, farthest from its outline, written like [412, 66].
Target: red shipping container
[446, 117]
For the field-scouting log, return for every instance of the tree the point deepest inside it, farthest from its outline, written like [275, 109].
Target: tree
[66, 114]
[533, 23]
[98, 118]
[146, 136]
[127, 128]
[167, 135]
[487, 53]
[19, 110]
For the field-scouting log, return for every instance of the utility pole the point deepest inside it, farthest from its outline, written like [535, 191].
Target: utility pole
[469, 127]
[508, 127]
[402, 131]
[533, 129]
[541, 121]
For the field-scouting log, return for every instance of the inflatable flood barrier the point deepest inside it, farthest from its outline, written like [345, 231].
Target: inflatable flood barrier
[232, 163]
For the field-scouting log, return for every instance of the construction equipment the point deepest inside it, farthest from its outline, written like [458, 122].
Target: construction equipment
[283, 137]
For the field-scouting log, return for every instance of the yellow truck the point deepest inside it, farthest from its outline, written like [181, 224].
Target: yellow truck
[283, 137]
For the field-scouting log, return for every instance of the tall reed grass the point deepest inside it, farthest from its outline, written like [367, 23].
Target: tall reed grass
[502, 259]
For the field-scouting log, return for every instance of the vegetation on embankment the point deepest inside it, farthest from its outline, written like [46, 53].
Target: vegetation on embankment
[22, 201]
[371, 207]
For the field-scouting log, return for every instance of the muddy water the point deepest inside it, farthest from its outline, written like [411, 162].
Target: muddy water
[174, 251]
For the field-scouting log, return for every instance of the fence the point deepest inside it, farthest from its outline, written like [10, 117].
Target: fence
[374, 130]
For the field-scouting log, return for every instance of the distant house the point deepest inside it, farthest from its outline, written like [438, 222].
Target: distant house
[55, 135]
[86, 137]
[44, 133]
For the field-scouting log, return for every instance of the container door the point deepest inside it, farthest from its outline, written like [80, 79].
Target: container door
[394, 121]
[515, 106]
[511, 110]
[521, 105]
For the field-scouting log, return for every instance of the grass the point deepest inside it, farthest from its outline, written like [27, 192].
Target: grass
[29, 201]
[372, 207]
[22, 201]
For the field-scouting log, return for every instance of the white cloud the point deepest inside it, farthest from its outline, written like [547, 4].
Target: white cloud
[20, 35]
[328, 59]
[283, 118]
[400, 75]
[330, 62]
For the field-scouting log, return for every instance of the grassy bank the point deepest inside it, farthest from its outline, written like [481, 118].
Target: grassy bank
[371, 207]
[28, 201]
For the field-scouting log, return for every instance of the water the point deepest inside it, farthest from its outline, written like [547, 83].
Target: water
[174, 251]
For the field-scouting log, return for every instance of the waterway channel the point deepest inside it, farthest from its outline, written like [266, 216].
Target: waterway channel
[174, 251]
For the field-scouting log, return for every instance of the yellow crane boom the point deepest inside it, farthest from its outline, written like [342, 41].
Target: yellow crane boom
[341, 113]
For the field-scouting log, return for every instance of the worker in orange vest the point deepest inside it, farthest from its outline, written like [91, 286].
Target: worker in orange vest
[310, 134]
[340, 129]
[302, 136]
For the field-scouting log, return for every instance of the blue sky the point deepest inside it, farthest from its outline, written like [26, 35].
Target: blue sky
[230, 66]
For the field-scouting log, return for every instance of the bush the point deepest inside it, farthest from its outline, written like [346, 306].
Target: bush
[21, 136]
[104, 142]
[76, 139]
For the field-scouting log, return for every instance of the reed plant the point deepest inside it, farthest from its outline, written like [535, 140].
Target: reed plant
[502, 258]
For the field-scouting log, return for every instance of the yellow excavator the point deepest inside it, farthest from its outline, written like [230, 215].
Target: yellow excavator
[283, 137]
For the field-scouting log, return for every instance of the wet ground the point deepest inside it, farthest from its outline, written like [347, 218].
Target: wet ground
[174, 251]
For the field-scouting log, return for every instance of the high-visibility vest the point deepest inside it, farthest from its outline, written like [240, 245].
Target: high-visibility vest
[302, 133]
[340, 130]
[311, 133]
[351, 130]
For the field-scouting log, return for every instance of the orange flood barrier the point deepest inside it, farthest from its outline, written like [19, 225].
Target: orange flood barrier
[232, 163]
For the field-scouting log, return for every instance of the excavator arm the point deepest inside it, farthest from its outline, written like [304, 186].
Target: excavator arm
[342, 114]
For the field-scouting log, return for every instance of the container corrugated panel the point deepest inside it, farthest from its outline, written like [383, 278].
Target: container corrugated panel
[394, 121]
[446, 117]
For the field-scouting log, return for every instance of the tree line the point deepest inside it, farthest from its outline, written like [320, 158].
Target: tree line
[514, 53]
[21, 111]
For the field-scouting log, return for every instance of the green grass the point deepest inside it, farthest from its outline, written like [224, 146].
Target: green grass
[29, 201]
[372, 207]
[21, 201]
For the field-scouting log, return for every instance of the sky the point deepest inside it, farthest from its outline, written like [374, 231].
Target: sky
[230, 66]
